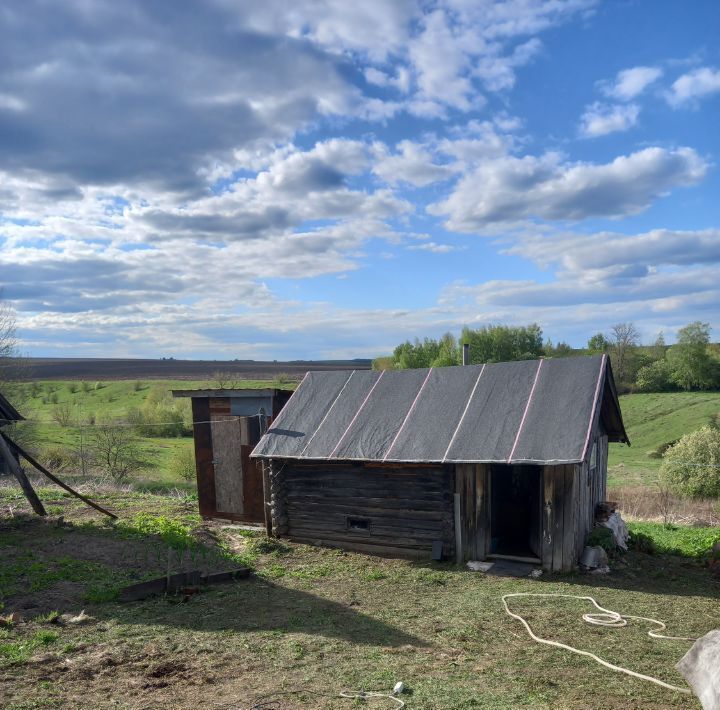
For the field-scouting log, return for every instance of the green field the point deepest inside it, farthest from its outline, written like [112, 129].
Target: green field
[652, 420]
[97, 403]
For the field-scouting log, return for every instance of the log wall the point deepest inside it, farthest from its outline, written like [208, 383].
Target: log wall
[393, 510]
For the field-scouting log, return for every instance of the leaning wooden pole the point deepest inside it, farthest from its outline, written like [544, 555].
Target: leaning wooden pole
[57, 481]
[17, 471]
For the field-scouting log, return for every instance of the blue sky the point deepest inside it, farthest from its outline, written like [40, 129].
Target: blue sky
[323, 179]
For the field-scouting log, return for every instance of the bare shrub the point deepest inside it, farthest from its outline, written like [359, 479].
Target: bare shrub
[225, 380]
[659, 504]
[116, 452]
[63, 414]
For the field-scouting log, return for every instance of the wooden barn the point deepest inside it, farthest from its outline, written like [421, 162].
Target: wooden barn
[227, 424]
[502, 460]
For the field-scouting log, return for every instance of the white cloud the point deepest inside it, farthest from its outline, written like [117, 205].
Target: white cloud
[630, 83]
[508, 190]
[435, 248]
[413, 164]
[694, 85]
[599, 119]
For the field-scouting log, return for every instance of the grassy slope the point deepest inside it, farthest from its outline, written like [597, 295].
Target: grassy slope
[325, 620]
[655, 419]
[111, 401]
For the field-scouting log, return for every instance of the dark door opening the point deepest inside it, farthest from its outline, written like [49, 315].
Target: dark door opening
[516, 511]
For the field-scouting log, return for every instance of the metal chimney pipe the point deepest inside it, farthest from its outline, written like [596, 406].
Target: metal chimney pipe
[466, 353]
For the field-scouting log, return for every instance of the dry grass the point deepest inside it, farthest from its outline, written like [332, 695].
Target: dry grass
[638, 502]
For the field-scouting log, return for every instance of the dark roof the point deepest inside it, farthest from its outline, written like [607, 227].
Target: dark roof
[532, 411]
[8, 413]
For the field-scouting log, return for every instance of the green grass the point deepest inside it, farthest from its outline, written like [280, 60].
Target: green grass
[678, 539]
[652, 420]
[322, 620]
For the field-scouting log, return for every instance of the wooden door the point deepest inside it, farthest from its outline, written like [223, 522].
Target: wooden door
[227, 462]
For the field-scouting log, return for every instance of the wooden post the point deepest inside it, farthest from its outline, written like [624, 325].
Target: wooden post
[466, 353]
[28, 490]
[56, 480]
[458, 531]
[266, 496]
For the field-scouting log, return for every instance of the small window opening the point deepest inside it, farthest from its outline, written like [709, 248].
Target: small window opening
[358, 524]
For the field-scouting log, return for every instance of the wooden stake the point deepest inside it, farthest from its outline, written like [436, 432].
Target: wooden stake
[25, 484]
[57, 481]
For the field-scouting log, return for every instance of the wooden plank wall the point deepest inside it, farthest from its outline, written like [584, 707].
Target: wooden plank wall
[593, 484]
[407, 507]
[560, 516]
[570, 494]
[472, 485]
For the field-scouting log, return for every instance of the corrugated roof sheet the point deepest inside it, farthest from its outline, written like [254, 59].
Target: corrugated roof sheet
[532, 411]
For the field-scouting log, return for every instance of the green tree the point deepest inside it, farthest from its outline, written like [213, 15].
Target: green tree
[624, 339]
[597, 344]
[654, 377]
[561, 349]
[500, 343]
[448, 352]
[691, 365]
[692, 466]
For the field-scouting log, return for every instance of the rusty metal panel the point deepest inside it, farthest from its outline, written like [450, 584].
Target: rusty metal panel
[203, 456]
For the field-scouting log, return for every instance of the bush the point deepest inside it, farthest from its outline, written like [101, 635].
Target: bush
[602, 537]
[57, 458]
[692, 466]
[654, 377]
[641, 542]
[182, 464]
[160, 417]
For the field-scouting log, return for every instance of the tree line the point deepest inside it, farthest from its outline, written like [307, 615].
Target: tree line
[692, 363]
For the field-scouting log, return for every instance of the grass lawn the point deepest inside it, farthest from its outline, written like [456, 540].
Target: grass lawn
[652, 420]
[318, 621]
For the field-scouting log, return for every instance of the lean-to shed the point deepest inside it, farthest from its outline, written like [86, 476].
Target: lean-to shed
[505, 459]
[227, 424]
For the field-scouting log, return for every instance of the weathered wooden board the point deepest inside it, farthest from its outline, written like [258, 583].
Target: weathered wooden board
[548, 527]
[227, 461]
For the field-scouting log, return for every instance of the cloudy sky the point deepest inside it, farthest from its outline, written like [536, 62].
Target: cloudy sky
[323, 178]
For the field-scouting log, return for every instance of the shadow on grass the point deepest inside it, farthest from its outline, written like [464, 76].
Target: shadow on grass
[256, 604]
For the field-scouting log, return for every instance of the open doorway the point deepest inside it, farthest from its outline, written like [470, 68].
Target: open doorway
[516, 511]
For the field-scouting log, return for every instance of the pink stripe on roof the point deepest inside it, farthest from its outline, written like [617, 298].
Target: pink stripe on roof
[527, 407]
[467, 406]
[407, 416]
[367, 397]
[594, 407]
[327, 414]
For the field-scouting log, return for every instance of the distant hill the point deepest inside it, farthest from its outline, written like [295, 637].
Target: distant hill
[169, 368]
[652, 422]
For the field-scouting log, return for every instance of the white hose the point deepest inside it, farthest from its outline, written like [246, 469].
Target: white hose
[370, 694]
[606, 617]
